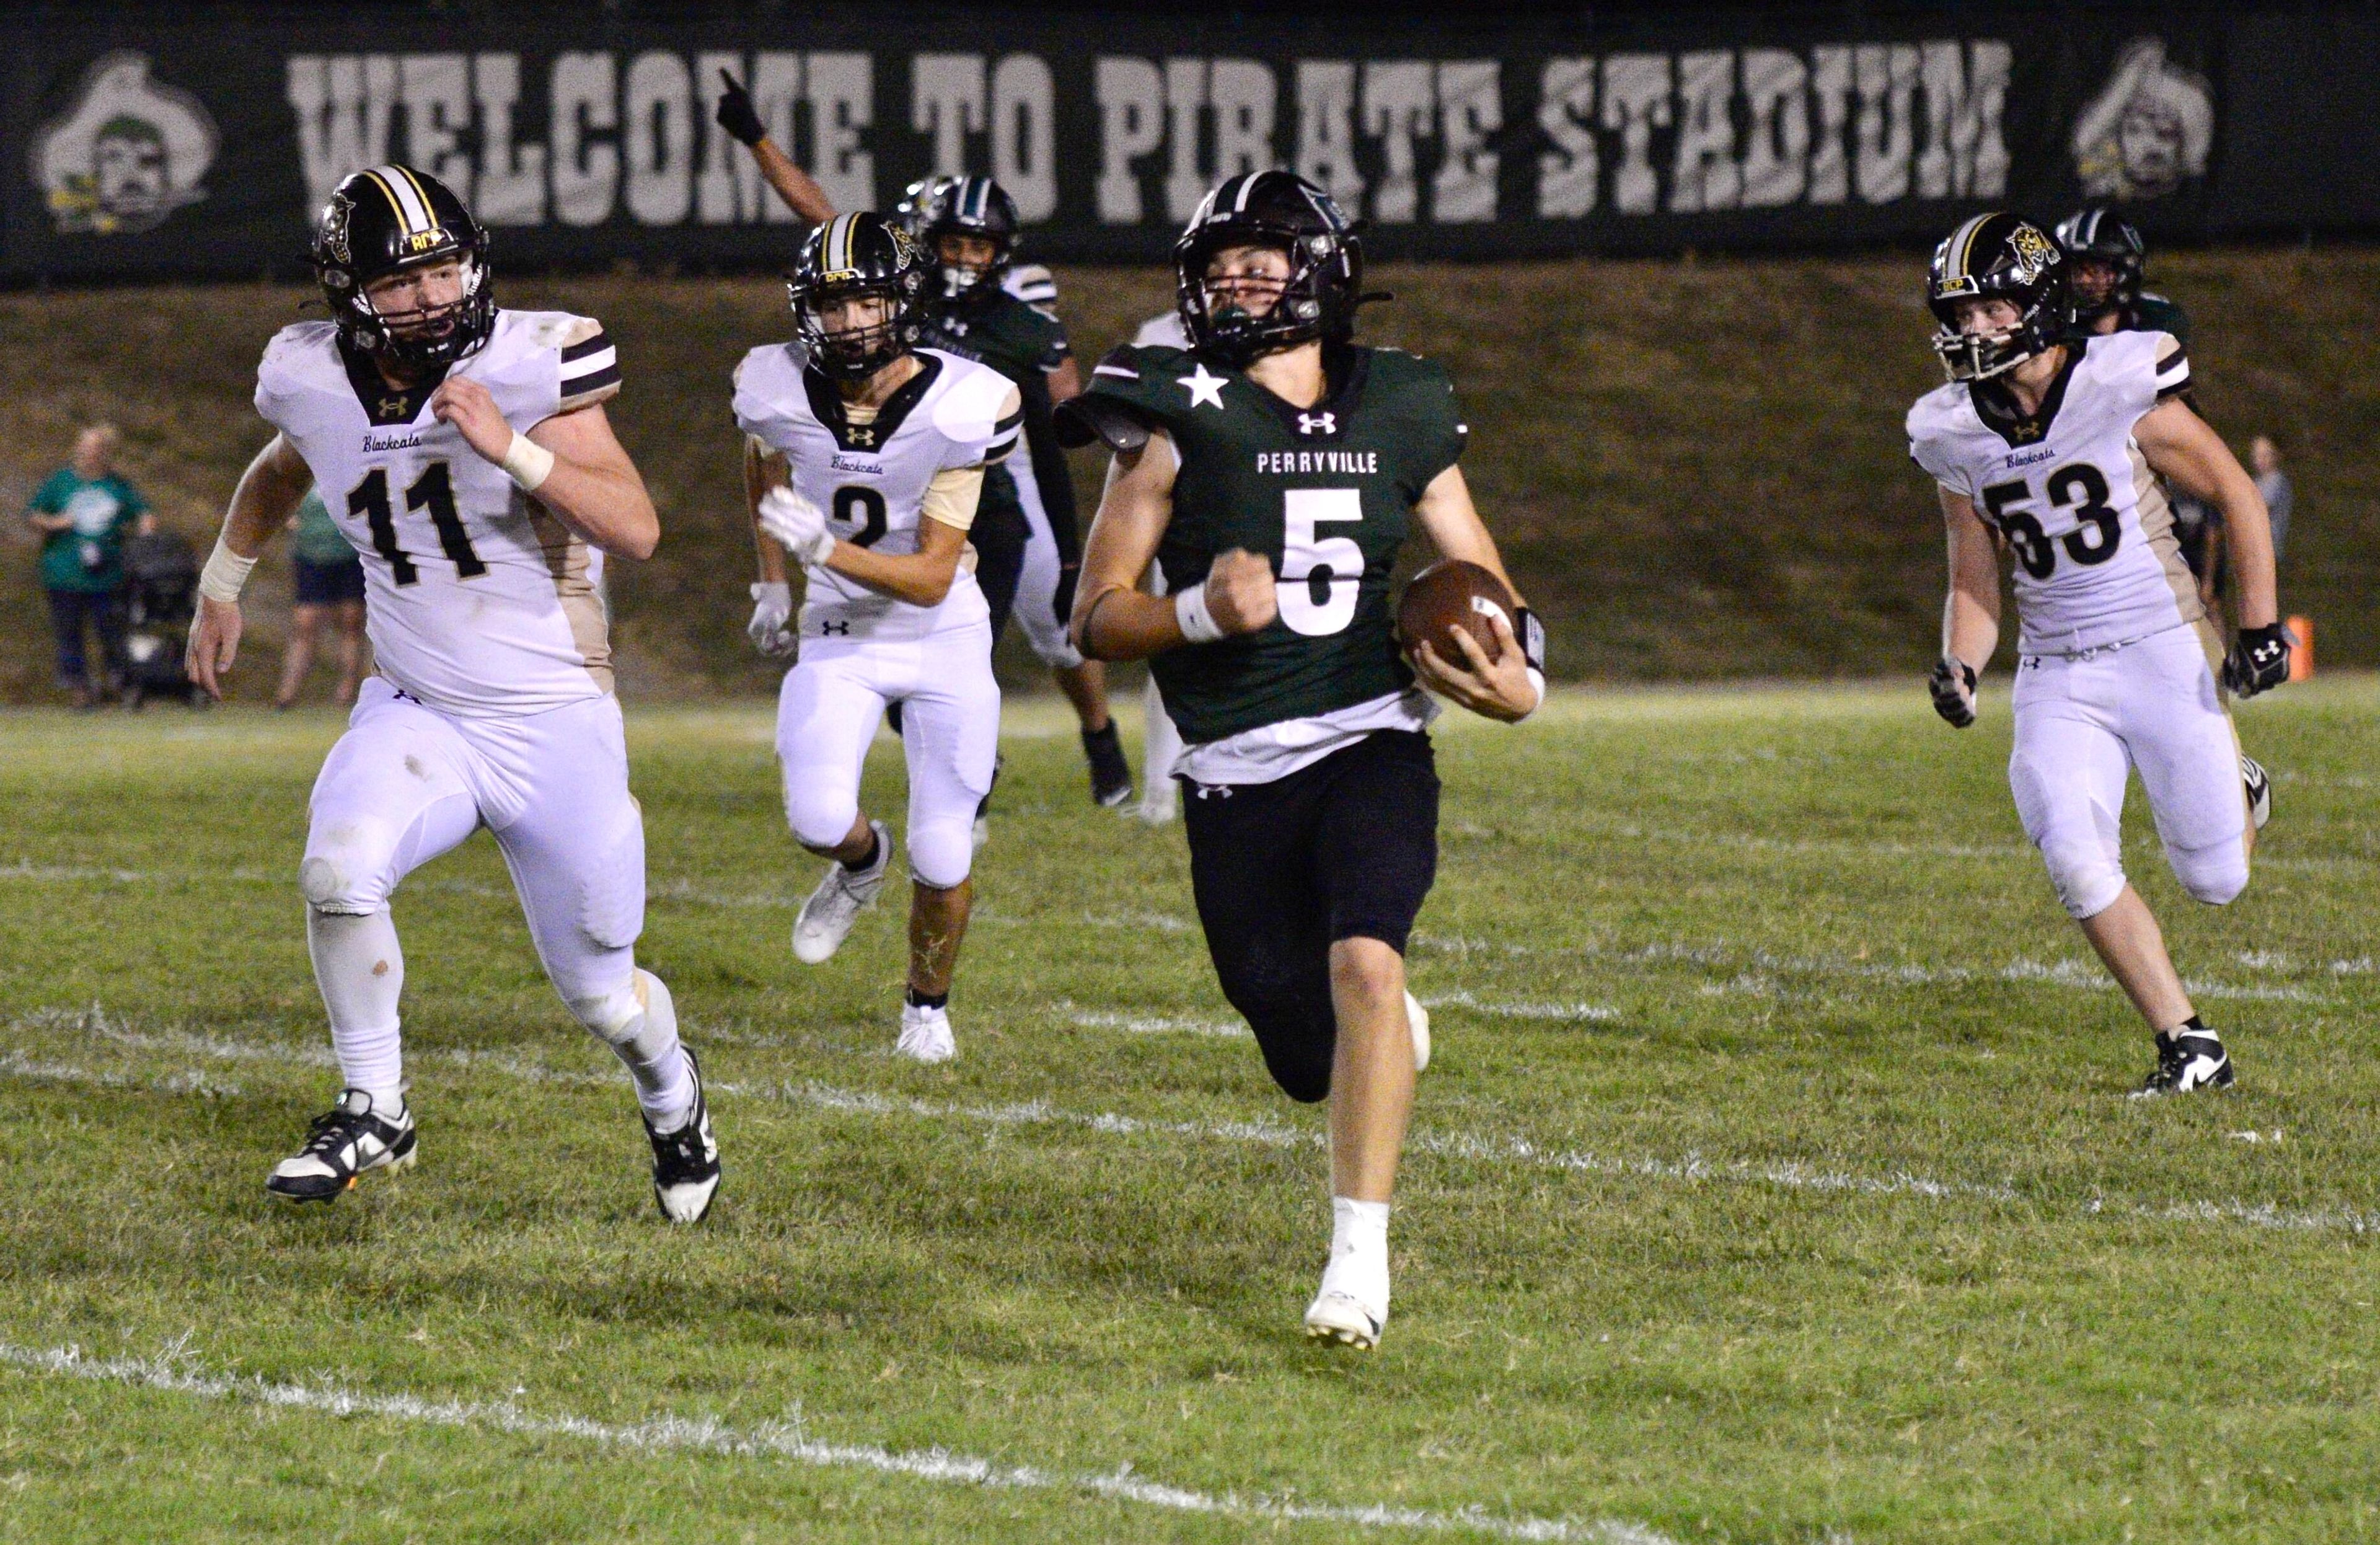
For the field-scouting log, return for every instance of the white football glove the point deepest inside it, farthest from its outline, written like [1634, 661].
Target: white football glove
[772, 607]
[797, 525]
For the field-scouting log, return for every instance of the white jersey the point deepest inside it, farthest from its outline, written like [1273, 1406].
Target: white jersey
[871, 478]
[2091, 526]
[479, 601]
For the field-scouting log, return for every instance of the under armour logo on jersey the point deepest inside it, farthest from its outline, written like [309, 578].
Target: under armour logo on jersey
[826, 628]
[391, 408]
[1318, 423]
[862, 434]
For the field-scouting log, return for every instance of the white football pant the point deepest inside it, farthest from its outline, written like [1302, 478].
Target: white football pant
[1036, 608]
[828, 711]
[405, 784]
[2084, 721]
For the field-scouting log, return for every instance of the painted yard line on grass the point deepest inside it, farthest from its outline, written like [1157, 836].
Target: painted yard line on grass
[1785, 1174]
[170, 1374]
[2079, 974]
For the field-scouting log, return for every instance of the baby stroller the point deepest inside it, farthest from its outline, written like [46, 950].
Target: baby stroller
[161, 574]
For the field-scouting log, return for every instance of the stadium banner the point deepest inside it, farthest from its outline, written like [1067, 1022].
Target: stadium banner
[151, 144]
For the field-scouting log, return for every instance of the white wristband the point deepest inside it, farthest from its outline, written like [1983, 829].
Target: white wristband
[226, 572]
[820, 551]
[1537, 680]
[527, 462]
[1190, 614]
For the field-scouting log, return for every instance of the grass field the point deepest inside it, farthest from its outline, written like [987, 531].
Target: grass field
[1775, 1180]
[1697, 468]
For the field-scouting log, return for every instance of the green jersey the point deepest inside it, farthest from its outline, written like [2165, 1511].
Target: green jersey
[319, 538]
[1023, 344]
[1327, 493]
[89, 554]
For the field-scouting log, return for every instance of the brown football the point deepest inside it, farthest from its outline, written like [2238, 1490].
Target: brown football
[1451, 593]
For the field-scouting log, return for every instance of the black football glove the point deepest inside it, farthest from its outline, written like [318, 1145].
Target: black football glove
[1953, 685]
[736, 114]
[2259, 660]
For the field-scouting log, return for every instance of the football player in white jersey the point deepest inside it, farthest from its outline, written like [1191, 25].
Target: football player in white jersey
[2061, 452]
[865, 458]
[464, 452]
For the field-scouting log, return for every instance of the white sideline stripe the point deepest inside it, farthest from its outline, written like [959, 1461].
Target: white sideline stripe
[1785, 1174]
[1520, 1010]
[16, 1065]
[777, 1440]
[1158, 1024]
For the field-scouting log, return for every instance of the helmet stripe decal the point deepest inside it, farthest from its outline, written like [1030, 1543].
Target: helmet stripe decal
[428, 215]
[389, 193]
[412, 210]
[838, 243]
[1961, 245]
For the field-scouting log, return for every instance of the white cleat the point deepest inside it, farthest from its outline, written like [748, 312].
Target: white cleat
[826, 919]
[1338, 1318]
[926, 1034]
[1418, 1019]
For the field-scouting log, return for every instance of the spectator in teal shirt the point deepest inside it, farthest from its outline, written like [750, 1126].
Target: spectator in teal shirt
[330, 582]
[83, 514]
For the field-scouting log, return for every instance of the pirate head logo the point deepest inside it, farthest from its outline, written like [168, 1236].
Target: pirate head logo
[2149, 128]
[335, 216]
[130, 153]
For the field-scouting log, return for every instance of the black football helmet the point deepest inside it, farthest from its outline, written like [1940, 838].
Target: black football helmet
[1326, 266]
[2099, 234]
[850, 256]
[964, 206]
[389, 217]
[1996, 257]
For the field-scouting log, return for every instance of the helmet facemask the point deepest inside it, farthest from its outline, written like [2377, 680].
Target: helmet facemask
[1216, 308]
[432, 336]
[853, 353]
[1968, 356]
[966, 280]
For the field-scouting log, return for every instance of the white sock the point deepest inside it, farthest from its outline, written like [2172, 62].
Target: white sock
[1359, 1252]
[649, 1047]
[361, 970]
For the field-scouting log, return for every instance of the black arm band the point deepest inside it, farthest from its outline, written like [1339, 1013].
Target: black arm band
[1532, 634]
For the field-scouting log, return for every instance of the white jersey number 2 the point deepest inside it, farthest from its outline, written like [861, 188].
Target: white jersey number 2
[1319, 576]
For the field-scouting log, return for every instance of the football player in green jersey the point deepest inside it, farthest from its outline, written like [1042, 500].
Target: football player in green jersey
[1273, 472]
[2106, 260]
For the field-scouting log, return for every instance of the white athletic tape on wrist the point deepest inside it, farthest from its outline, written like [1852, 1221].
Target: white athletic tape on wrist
[1536, 680]
[226, 572]
[822, 548]
[527, 463]
[1197, 624]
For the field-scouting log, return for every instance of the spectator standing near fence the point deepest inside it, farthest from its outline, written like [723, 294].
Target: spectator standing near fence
[83, 514]
[2273, 483]
[330, 582]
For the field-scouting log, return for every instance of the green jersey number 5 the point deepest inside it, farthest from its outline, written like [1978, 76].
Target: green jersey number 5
[1321, 577]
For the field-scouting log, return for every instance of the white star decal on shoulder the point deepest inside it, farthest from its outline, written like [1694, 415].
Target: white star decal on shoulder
[1205, 390]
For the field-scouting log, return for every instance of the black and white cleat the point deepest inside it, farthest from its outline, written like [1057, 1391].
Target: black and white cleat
[341, 1144]
[2186, 1063]
[2260, 790]
[686, 1162]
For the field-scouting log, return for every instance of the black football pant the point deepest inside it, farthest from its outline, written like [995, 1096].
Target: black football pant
[1345, 848]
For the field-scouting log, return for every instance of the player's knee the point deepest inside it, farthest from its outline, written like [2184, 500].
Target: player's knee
[941, 851]
[2088, 881]
[2214, 875]
[346, 871]
[821, 818]
[1368, 969]
[620, 1012]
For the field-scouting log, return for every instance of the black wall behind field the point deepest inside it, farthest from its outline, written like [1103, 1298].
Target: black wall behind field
[197, 140]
